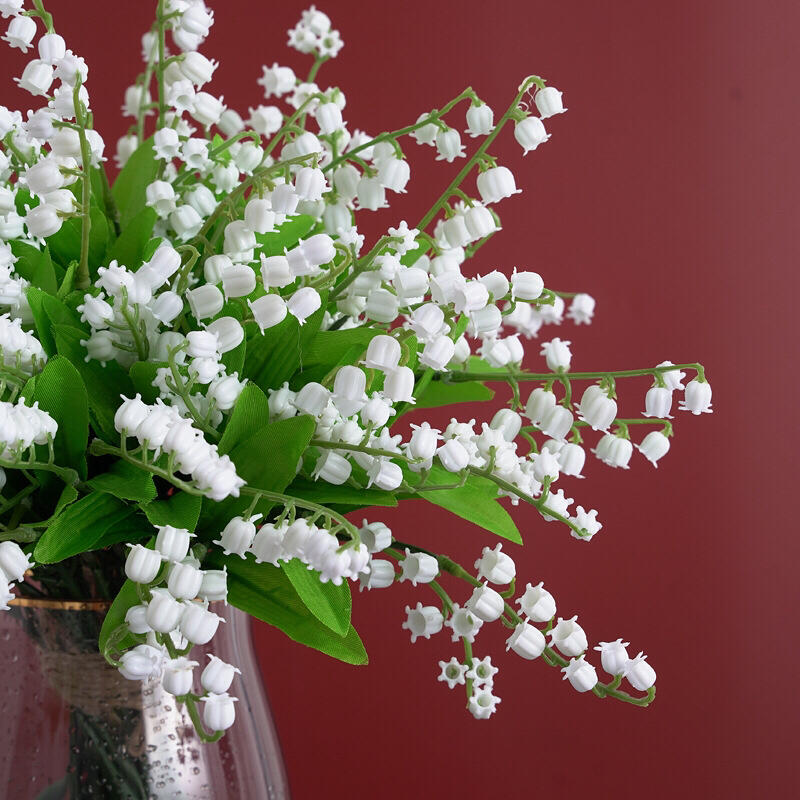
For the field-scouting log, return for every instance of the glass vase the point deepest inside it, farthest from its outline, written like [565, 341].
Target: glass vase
[75, 728]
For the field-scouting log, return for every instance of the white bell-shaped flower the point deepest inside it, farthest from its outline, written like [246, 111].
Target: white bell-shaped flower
[557, 422]
[482, 703]
[184, 581]
[658, 403]
[697, 397]
[268, 544]
[486, 603]
[141, 662]
[613, 656]
[548, 102]
[218, 675]
[453, 672]
[530, 133]
[383, 353]
[164, 612]
[614, 451]
[480, 120]
[418, 568]
[673, 377]
[526, 641]
[496, 566]
[569, 637]
[219, 712]
[214, 587]
[496, 184]
[13, 561]
[423, 621]
[332, 468]
[178, 675]
[453, 456]
[173, 543]
[537, 603]
[205, 301]
[136, 619]
[268, 310]
[639, 673]
[654, 447]
[581, 674]
[303, 303]
[198, 624]
[587, 522]
[599, 412]
[141, 565]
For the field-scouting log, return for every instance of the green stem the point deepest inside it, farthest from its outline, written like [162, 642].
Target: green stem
[82, 275]
[460, 377]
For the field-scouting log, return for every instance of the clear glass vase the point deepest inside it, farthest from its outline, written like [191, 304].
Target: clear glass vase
[75, 728]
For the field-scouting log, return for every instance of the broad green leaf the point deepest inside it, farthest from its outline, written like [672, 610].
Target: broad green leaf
[440, 393]
[104, 384]
[326, 494]
[329, 350]
[65, 245]
[68, 282]
[274, 357]
[267, 460]
[287, 236]
[127, 597]
[35, 266]
[142, 374]
[49, 311]
[69, 494]
[266, 592]
[330, 604]
[180, 510]
[475, 502]
[129, 188]
[250, 414]
[129, 530]
[79, 527]
[126, 481]
[129, 249]
[61, 393]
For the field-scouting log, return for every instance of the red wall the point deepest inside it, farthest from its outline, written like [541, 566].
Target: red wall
[668, 191]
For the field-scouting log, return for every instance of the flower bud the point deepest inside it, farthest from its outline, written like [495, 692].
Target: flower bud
[614, 451]
[485, 321]
[438, 352]
[43, 221]
[310, 183]
[268, 311]
[398, 385]
[370, 193]
[312, 399]
[571, 458]
[453, 456]
[598, 410]
[448, 145]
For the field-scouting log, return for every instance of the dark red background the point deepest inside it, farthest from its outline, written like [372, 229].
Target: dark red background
[668, 191]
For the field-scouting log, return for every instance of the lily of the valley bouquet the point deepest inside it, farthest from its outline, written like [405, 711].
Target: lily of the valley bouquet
[205, 369]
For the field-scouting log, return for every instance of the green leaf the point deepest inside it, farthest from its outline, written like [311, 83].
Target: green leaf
[68, 282]
[104, 384]
[129, 249]
[266, 592]
[330, 604]
[126, 481]
[142, 374]
[250, 414]
[61, 393]
[267, 460]
[274, 357]
[127, 597]
[329, 350]
[475, 502]
[35, 266]
[65, 245]
[49, 311]
[129, 188]
[79, 527]
[326, 494]
[287, 236]
[441, 393]
[181, 510]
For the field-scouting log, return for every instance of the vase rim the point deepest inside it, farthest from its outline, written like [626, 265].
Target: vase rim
[61, 605]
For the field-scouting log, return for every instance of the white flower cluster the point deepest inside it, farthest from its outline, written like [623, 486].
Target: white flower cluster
[274, 543]
[14, 563]
[162, 429]
[313, 34]
[20, 348]
[23, 426]
[180, 613]
[487, 604]
[12, 286]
